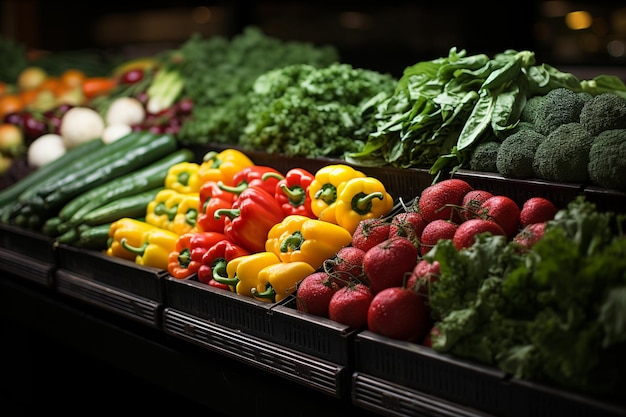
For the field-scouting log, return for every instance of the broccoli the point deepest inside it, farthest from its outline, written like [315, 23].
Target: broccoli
[516, 154]
[564, 154]
[607, 159]
[604, 112]
[483, 157]
[532, 106]
[558, 107]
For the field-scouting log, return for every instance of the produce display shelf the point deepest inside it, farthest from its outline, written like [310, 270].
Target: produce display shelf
[139, 309]
[423, 371]
[395, 400]
[27, 254]
[273, 322]
[327, 377]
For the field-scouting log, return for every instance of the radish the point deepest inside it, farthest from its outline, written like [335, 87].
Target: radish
[399, 313]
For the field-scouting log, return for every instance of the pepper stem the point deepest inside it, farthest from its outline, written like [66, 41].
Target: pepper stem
[183, 178]
[328, 193]
[296, 195]
[219, 268]
[160, 210]
[292, 242]
[235, 189]
[230, 213]
[362, 203]
[139, 251]
[270, 174]
[184, 258]
[269, 293]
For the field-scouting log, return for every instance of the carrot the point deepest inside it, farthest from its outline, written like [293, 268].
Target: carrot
[96, 86]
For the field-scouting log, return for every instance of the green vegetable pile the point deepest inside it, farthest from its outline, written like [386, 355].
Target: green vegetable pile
[555, 314]
[443, 109]
[219, 72]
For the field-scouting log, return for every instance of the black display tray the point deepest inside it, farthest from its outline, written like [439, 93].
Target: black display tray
[27, 254]
[328, 377]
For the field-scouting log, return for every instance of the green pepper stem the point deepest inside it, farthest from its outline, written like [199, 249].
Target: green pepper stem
[228, 281]
[160, 209]
[184, 258]
[269, 293]
[230, 213]
[212, 157]
[270, 174]
[237, 189]
[328, 193]
[139, 251]
[362, 203]
[183, 178]
[292, 242]
[218, 268]
[296, 195]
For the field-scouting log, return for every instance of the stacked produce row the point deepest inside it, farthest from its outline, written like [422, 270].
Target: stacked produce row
[452, 233]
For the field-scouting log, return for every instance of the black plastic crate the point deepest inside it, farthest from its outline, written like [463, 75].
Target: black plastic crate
[315, 373]
[422, 369]
[27, 243]
[117, 273]
[33, 270]
[520, 190]
[605, 199]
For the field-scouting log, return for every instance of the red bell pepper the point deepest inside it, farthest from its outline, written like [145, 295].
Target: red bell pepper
[250, 219]
[292, 192]
[186, 258]
[212, 198]
[253, 177]
[215, 260]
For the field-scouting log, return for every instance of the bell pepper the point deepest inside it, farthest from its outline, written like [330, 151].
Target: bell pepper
[323, 189]
[215, 260]
[292, 191]
[173, 211]
[243, 272]
[154, 248]
[299, 238]
[130, 229]
[183, 177]
[253, 177]
[186, 258]
[212, 198]
[251, 217]
[277, 281]
[222, 166]
[360, 199]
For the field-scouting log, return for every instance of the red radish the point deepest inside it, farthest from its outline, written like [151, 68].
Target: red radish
[471, 203]
[347, 266]
[433, 332]
[504, 211]
[349, 305]
[408, 224]
[442, 200]
[398, 313]
[386, 264]
[314, 294]
[537, 210]
[434, 231]
[370, 232]
[424, 273]
[465, 234]
[529, 235]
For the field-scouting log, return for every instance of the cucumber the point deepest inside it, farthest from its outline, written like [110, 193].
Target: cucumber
[32, 180]
[144, 179]
[113, 166]
[95, 237]
[129, 206]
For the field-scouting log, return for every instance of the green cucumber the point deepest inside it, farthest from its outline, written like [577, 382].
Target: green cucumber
[129, 206]
[95, 237]
[114, 165]
[144, 179]
[32, 180]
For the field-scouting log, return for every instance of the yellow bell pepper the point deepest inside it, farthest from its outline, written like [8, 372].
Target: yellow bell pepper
[323, 189]
[154, 247]
[360, 199]
[130, 229]
[299, 238]
[222, 166]
[277, 281]
[183, 177]
[243, 271]
[173, 211]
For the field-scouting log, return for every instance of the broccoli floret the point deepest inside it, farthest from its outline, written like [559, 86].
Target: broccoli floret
[564, 154]
[516, 154]
[532, 106]
[483, 157]
[605, 111]
[558, 107]
[607, 159]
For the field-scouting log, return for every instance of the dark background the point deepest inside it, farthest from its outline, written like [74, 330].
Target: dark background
[386, 36]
